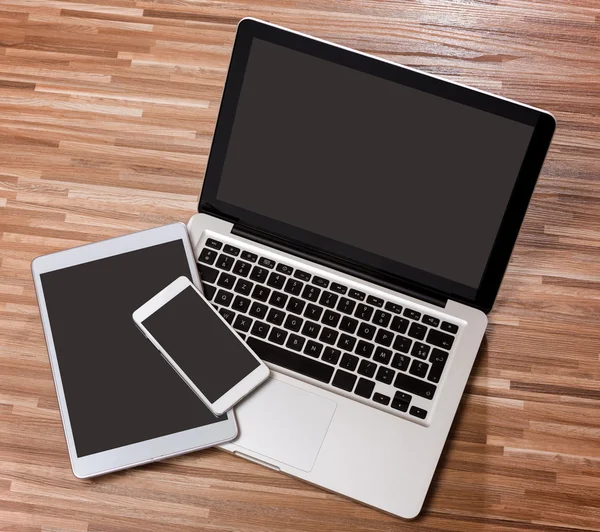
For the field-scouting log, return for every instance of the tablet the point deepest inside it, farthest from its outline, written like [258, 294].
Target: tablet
[121, 403]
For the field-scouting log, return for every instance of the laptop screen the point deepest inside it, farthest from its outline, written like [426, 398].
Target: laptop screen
[400, 173]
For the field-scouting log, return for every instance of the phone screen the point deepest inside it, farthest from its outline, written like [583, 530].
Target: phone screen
[201, 344]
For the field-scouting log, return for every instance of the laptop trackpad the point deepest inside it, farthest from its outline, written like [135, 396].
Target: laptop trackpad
[285, 423]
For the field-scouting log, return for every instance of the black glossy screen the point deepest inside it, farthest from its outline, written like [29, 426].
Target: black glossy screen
[395, 171]
[118, 387]
[201, 344]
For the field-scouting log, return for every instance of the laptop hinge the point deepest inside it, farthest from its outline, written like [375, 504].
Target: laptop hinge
[365, 273]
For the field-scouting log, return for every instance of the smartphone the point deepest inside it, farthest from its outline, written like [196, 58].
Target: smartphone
[200, 345]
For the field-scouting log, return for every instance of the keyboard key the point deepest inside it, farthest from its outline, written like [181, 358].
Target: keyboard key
[207, 256]
[293, 323]
[328, 336]
[412, 314]
[292, 361]
[449, 327]
[383, 356]
[241, 304]
[400, 405]
[259, 274]
[344, 380]
[331, 318]
[293, 286]
[277, 336]
[258, 310]
[402, 344]
[418, 412]
[430, 320]
[295, 342]
[349, 362]
[209, 291]
[348, 324]
[331, 355]
[295, 305]
[364, 312]
[284, 268]
[242, 336]
[207, 274]
[418, 331]
[420, 350]
[250, 257]
[346, 342]
[381, 318]
[311, 293]
[224, 262]
[415, 386]
[385, 375]
[438, 356]
[226, 280]
[275, 316]
[393, 307]
[381, 399]
[276, 280]
[440, 339]
[244, 286]
[278, 299]
[242, 323]
[329, 299]
[438, 361]
[384, 337]
[419, 369]
[400, 362]
[313, 348]
[346, 305]
[339, 288]
[223, 298]
[260, 329]
[267, 263]
[261, 292]
[364, 388]
[311, 329]
[375, 301]
[364, 349]
[313, 312]
[401, 396]
[319, 281]
[242, 268]
[367, 368]
[366, 330]
[399, 325]
[227, 314]
[303, 276]
[231, 250]
[212, 243]
[355, 294]
[435, 373]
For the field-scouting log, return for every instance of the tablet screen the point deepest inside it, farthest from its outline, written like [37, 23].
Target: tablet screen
[118, 388]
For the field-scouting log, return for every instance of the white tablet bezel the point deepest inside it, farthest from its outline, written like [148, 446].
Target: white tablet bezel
[146, 451]
[232, 396]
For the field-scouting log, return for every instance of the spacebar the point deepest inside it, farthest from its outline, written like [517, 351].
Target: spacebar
[290, 360]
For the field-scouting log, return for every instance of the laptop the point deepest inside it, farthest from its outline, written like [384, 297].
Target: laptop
[354, 225]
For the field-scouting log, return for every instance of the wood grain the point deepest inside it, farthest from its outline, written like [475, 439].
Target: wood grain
[107, 108]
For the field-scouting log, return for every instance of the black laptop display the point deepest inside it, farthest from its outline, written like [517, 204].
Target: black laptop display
[381, 169]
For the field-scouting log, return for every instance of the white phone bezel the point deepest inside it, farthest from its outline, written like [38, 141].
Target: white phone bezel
[233, 395]
[145, 451]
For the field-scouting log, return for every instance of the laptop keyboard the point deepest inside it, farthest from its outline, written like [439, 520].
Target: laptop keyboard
[346, 340]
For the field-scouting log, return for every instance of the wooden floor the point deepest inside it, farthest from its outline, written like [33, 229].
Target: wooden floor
[107, 110]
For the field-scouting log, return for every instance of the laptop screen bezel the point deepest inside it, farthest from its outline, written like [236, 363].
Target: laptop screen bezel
[401, 274]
